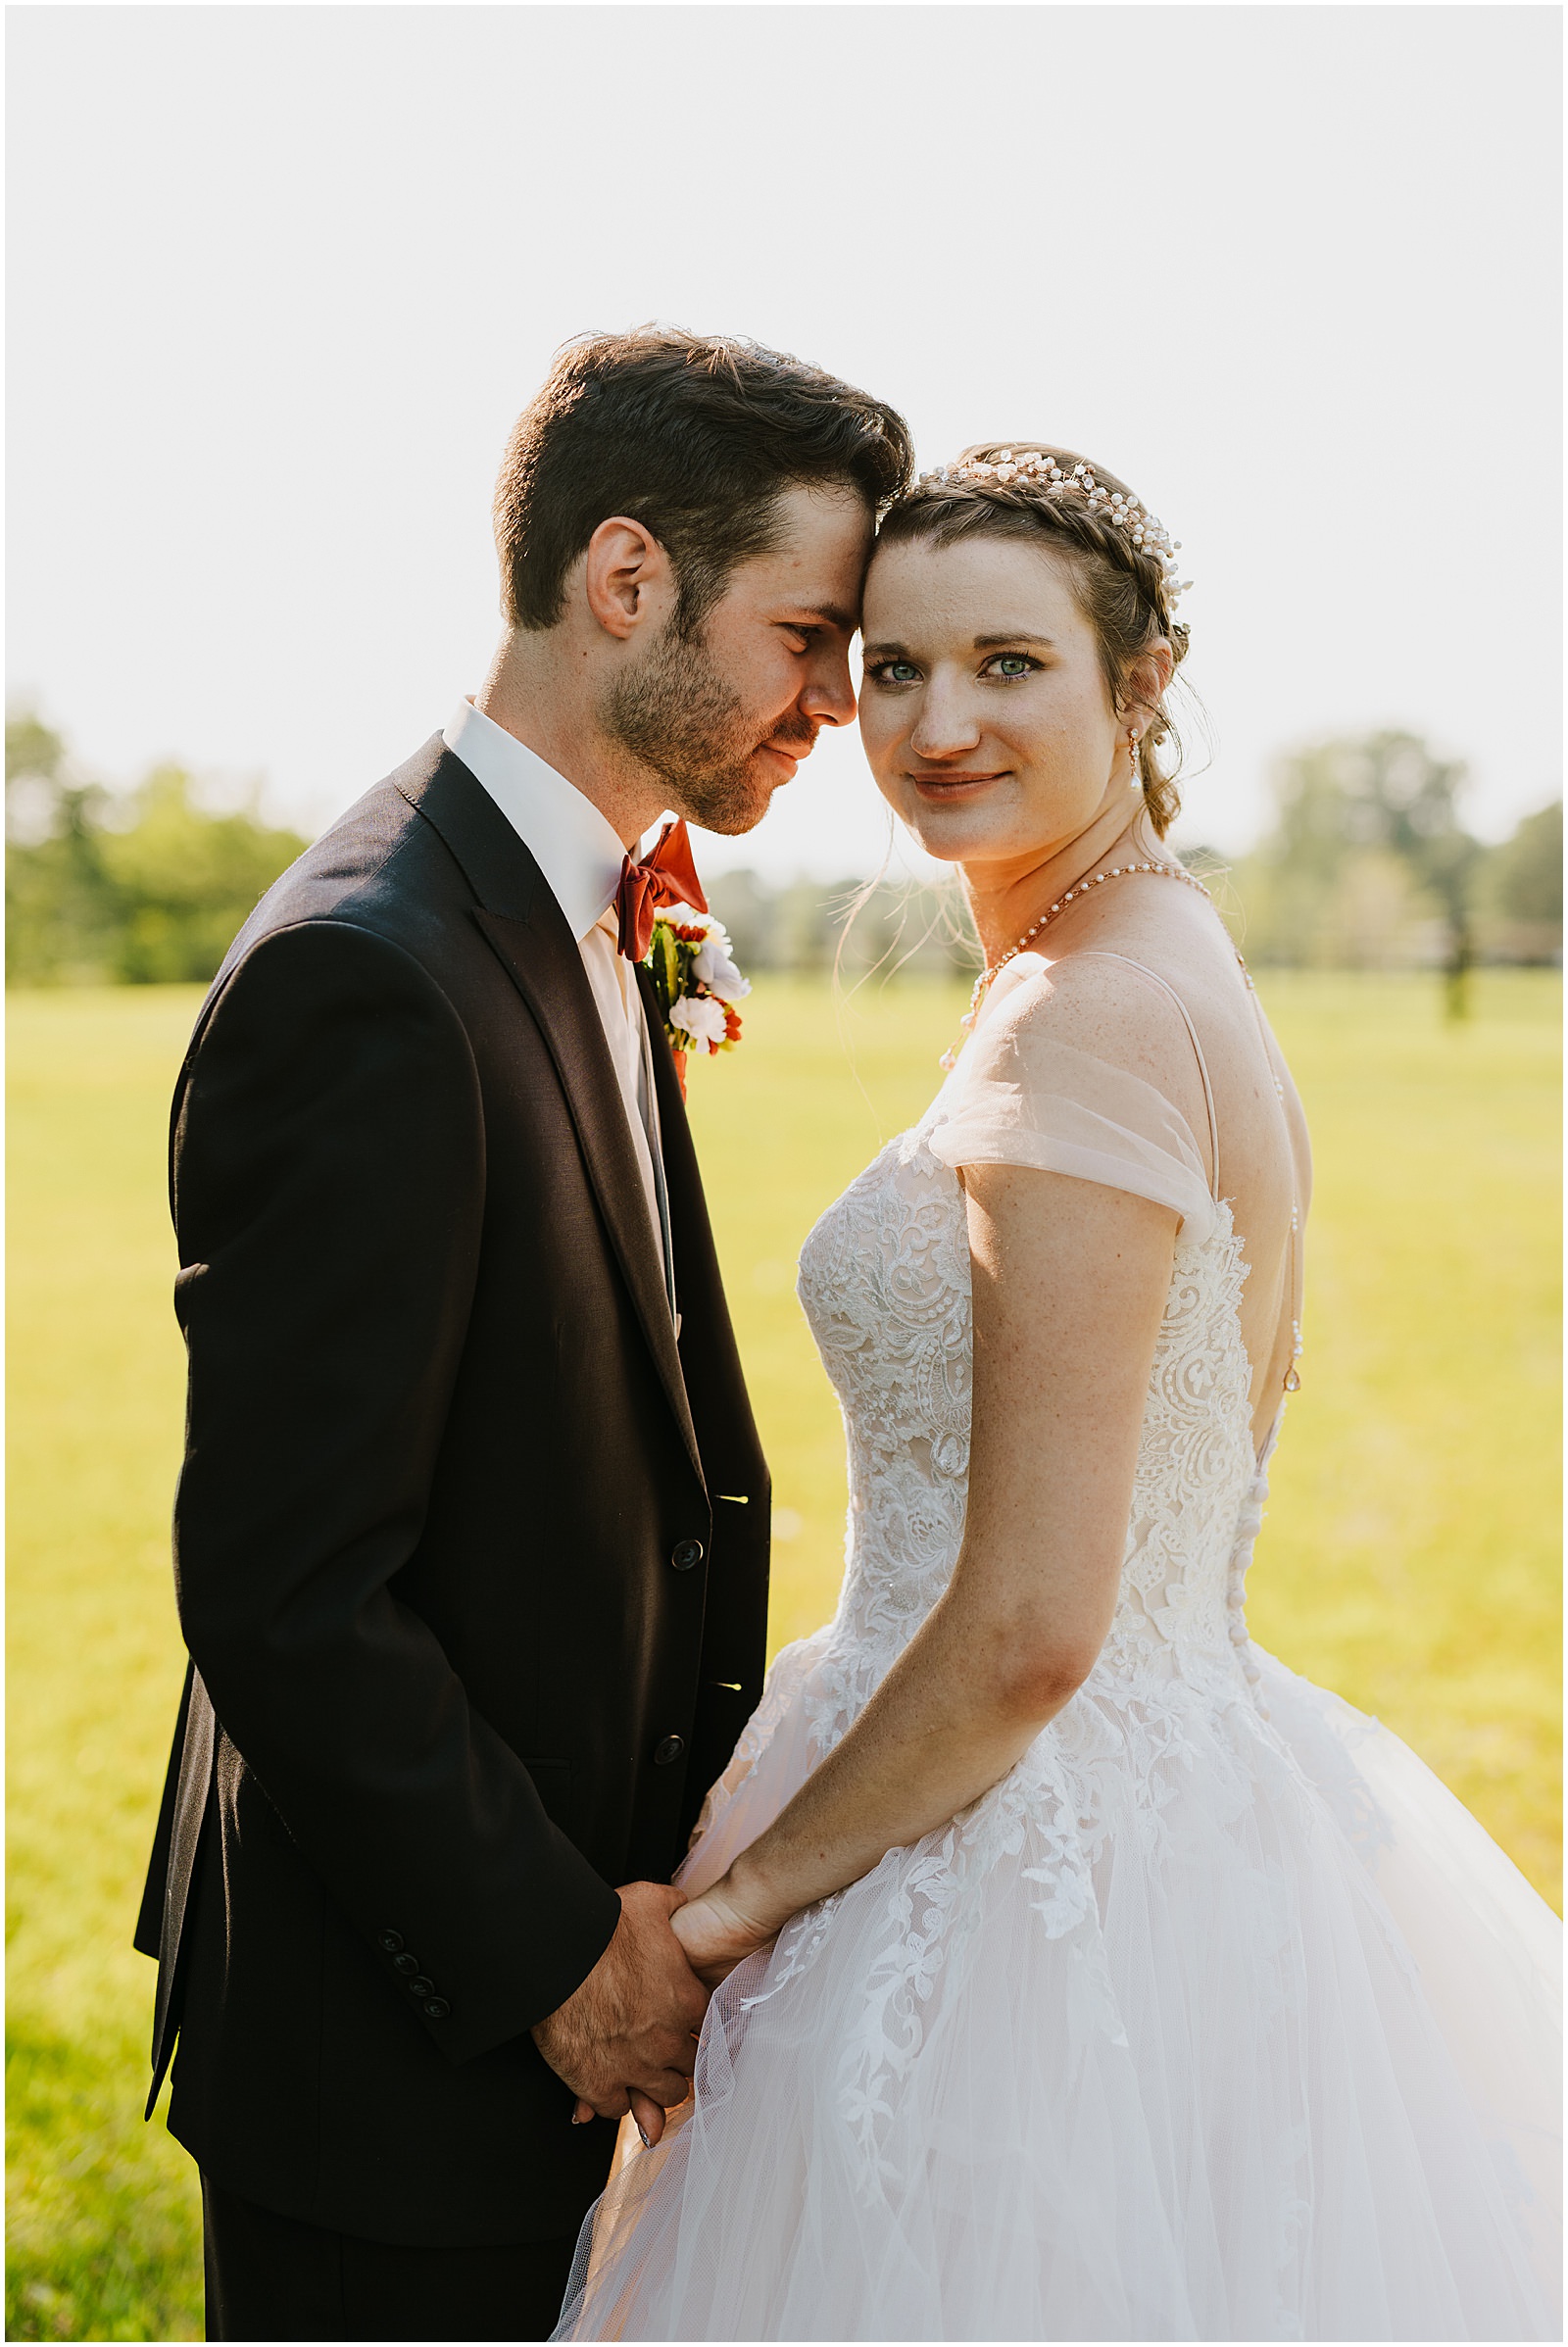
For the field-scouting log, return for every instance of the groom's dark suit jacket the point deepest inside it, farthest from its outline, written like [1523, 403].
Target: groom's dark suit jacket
[471, 1559]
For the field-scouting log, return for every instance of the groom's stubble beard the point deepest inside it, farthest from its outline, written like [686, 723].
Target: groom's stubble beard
[677, 714]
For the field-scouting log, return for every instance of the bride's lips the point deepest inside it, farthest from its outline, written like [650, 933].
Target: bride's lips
[943, 787]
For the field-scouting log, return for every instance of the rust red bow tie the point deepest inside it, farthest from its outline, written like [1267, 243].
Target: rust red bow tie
[667, 876]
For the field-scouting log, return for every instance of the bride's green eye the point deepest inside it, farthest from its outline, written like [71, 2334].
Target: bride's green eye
[1011, 664]
[895, 672]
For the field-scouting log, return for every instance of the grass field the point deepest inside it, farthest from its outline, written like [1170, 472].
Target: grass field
[1409, 1558]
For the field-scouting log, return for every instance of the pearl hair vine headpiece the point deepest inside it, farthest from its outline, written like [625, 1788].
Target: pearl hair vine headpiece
[1032, 470]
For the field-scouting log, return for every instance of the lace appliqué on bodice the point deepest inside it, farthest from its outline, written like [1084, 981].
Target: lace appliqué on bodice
[885, 1283]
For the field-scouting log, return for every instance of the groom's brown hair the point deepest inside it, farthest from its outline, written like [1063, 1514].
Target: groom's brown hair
[695, 436]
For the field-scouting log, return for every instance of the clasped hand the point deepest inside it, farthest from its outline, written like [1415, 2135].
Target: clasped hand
[626, 2039]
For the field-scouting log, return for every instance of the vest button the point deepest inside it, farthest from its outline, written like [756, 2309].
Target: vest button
[685, 1555]
[392, 1942]
[406, 1964]
[669, 1748]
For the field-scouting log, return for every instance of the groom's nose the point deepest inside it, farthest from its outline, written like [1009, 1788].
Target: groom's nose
[829, 694]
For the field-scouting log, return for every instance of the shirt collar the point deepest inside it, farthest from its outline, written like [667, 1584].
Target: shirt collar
[579, 853]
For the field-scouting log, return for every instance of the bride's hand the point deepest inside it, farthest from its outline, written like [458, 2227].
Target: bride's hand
[717, 1933]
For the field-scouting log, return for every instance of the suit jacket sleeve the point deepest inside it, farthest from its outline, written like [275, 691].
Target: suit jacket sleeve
[328, 1192]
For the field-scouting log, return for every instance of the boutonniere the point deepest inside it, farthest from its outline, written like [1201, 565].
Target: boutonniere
[697, 983]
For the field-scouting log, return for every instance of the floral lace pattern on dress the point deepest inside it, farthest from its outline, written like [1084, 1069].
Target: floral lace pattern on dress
[885, 1283]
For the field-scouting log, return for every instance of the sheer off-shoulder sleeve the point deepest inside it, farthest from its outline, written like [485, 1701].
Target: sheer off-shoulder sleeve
[1023, 1095]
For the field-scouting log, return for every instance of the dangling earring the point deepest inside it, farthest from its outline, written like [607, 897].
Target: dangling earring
[1138, 772]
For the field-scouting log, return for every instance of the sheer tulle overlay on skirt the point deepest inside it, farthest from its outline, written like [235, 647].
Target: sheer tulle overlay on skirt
[1187, 2051]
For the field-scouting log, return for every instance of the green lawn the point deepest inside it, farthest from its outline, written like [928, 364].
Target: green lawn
[1409, 1558]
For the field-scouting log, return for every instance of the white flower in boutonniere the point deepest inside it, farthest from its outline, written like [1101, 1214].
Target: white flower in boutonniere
[701, 1019]
[712, 967]
[697, 982]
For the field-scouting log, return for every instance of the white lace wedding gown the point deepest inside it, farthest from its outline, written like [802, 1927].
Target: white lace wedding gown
[1218, 2017]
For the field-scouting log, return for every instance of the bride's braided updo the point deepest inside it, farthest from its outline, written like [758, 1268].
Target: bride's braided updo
[1119, 559]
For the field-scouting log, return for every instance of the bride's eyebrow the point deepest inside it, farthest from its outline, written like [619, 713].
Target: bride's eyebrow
[884, 651]
[1015, 635]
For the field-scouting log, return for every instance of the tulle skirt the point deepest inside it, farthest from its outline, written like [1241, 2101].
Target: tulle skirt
[1204, 2025]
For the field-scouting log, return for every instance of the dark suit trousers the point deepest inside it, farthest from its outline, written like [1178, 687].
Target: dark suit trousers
[273, 2278]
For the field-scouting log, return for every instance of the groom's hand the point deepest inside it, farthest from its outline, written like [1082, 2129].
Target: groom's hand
[629, 2033]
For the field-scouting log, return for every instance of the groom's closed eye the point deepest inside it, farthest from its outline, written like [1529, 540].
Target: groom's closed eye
[820, 619]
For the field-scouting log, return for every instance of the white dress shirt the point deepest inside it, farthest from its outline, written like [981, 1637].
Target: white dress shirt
[581, 856]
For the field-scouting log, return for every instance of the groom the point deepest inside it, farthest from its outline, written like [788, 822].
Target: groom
[472, 1534]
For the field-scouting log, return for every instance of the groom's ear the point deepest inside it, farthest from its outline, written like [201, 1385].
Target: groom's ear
[627, 578]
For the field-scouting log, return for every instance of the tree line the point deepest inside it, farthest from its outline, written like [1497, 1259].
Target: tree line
[137, 889]
[1367, 867]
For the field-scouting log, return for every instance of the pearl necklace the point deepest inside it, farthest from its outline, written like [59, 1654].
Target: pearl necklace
[1080, 888]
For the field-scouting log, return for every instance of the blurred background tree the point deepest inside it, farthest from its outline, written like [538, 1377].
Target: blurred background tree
[1519, 895]
[1369, 868]
[140, 887]
[60, 916]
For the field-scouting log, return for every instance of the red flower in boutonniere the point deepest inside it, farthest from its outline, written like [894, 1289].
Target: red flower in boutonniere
[697, 983]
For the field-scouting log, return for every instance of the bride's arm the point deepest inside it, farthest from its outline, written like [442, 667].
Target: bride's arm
[1070, 1283]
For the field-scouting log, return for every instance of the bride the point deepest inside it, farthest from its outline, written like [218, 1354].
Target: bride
[1085, 1973]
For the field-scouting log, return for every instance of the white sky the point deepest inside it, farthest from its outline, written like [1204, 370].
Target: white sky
[281, 278]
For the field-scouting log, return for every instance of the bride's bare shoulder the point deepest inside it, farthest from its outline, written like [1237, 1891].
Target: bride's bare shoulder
[1105, 1004]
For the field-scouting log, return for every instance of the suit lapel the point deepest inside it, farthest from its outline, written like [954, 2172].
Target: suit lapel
[715, 1385]
[557, 993]
[525, 928]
